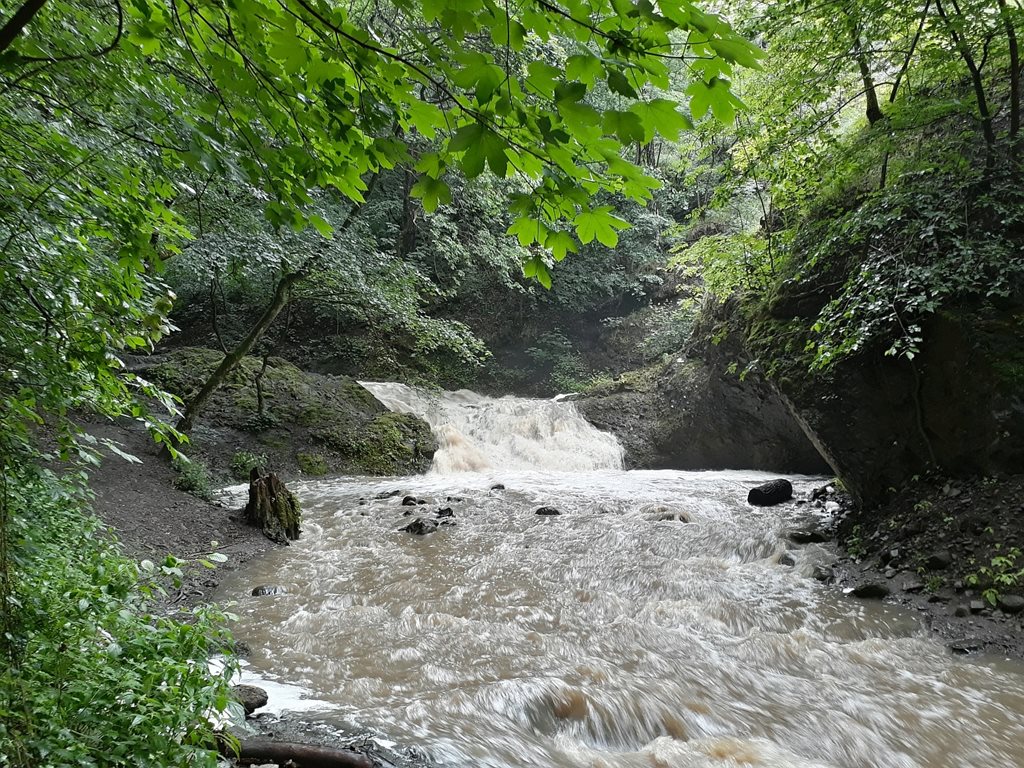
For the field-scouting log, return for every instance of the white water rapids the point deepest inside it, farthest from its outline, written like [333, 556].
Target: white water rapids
[615, 635]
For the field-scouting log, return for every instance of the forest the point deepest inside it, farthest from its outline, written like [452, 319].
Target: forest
[204, 203]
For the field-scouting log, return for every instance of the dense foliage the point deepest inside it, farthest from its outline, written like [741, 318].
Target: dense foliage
[91, 676]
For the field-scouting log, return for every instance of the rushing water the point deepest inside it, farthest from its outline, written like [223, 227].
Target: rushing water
[616, 635]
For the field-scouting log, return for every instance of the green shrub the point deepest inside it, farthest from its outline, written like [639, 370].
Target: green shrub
[192, 477]
[243, 462]
[311, 464]
[89, 674]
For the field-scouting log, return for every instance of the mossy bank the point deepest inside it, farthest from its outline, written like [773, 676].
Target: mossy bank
[293, 422]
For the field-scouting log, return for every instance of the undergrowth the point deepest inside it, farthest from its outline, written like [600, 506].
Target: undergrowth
[90, 674]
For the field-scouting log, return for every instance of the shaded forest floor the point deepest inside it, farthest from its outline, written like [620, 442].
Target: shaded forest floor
[952, 550]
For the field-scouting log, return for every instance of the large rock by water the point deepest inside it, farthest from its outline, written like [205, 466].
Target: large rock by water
[311, 424]
[695, 414]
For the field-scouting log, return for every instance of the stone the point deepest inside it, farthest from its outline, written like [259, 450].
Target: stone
[547, 511]
[938, 561]
[445, 512]
[961, 611]
[421, 526]
[250, 697]
[965, 645]
[410, 501]
[387, 495]
[823, 573]
[1011, 603]
[497, 487]
[770, 493]
[268, 589]
[787, 559]
[911, 583]
[812, 533]
[977, 606]
[871, 590]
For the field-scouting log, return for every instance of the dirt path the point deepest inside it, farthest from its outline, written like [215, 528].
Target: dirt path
[153, 519]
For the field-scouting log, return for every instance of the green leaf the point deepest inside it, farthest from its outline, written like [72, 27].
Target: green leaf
[560, 243]
[584, 67]
[599, 223]
[662, 116]
[433, 192]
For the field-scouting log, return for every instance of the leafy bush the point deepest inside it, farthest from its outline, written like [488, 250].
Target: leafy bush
[90, 675]
[192, 477]
[311, 464]
[243, 462]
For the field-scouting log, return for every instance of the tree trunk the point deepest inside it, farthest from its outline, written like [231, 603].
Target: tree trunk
[281, 297]
[21, 18]
[272, 507]
[407, 235]
[252, 751]
[976, 79]
[1015, 70]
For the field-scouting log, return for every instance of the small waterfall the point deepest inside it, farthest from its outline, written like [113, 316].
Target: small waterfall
[477, 433]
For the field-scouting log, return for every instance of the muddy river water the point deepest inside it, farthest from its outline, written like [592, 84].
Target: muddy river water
[649, 624]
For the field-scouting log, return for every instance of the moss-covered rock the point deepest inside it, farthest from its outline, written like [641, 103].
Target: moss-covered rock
[309, 423]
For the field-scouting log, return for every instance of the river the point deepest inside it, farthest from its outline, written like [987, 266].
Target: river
[649, 624]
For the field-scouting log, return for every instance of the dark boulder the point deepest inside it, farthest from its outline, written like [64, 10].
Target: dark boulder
[548, 511]
[938, 561]
[250, 697]
[1011, 603]
[498, 487]
[268, 589]
[772, 492]
[421, 526]
[410, 501]
[387, 494]
[445, 512]
[871, 590]
[787, 559]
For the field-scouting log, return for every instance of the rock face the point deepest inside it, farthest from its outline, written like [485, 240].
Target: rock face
[770, 493]
[879, 421]
[696, 415]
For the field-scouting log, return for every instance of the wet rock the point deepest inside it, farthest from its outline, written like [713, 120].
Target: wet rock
[961, 611]
[242, 649]
[821, 493]
[938, 561]
[823, 573]
[787, 559]
[387, 494]
[1011, 603]
[811, 532]
[911, 582]
[871, 590]
[444, 512]
[547, 511]
[455, 499]
[268, 589]
[772, 492]
[250, 697]
[421, 526]
[964, 645]
[498, 487]
[410, 501]
[977, 606]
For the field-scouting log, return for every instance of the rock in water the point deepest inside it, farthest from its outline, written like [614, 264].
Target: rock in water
[272, 507]
[421, 526]
[772, 492]
[268, 589]
[250, 697]
[548, 511]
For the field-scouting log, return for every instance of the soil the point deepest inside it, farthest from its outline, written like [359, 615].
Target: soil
[950, 549]
[153, 519]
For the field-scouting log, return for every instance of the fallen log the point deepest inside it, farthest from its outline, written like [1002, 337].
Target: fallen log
[256, 751]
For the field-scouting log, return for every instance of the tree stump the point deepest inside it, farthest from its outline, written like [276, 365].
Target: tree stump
[272, 507]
